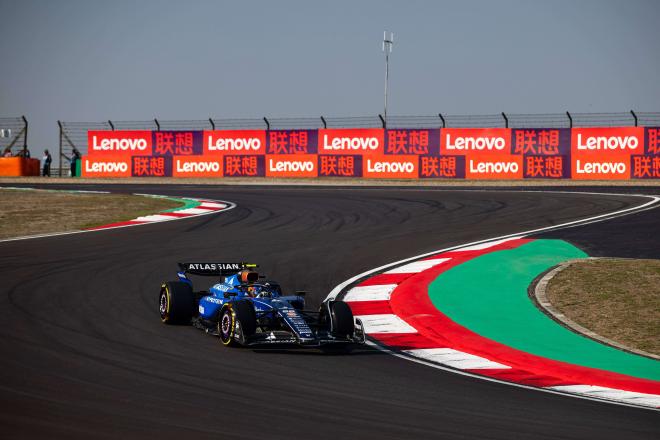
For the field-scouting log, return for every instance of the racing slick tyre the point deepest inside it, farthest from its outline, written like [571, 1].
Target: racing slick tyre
[342, 319]
[176, 303]
[241, 313]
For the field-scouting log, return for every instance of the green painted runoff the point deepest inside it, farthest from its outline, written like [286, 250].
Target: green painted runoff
[187, 203]
[488, 295]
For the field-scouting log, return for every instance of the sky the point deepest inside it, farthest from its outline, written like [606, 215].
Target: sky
[94, 60]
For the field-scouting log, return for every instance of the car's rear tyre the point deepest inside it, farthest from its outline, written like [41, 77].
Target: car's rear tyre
[176, 303]
[241, 313]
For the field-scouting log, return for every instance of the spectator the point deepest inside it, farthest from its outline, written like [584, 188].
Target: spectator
[47, 161]
[7, 152]
[75, 157]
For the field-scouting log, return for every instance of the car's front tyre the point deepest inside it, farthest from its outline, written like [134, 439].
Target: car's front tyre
[236, 321]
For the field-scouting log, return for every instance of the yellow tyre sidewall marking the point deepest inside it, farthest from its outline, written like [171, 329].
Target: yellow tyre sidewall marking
[169, 300]
[233, 326]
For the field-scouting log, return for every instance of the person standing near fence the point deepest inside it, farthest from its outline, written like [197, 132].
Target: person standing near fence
[75, 157]
[48, 159]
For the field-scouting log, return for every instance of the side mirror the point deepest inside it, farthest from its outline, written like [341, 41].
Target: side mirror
[228, 295]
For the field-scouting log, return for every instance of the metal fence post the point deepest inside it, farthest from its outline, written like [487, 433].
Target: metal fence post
[26, 133]
[59, 123]
[111, 125]
[570, 119]
[157, 124]
[212, 123]
[442, 118]
[382, 120]
[506, 120]
[267, 123]
[631, 112]
[325, 124]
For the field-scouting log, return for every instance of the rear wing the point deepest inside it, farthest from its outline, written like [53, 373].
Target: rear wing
[215, 269]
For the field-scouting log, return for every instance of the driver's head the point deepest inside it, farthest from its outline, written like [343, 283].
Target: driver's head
[248, 276]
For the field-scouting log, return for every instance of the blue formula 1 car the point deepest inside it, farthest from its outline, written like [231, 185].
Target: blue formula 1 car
[243, 311]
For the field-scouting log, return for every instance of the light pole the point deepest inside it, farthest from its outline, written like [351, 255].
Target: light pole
[387, 48]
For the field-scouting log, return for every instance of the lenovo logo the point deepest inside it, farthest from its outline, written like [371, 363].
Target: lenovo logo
[607, 142]
[183, 166]
[121, 144]
[389, 167]
[493, 167]
[600, 167]
[475, 143]
[350, 143]
[234, 144]
[106, 167]
[290, 166]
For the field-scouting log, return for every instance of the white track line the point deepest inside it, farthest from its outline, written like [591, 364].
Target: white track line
[417, 266]
[455, 359]
[385, 323]
[379, 292]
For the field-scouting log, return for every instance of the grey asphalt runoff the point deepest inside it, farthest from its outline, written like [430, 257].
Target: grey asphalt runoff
[83, 353]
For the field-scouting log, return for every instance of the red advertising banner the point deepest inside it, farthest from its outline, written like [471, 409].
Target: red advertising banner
[612, 153]
[606, 167]
[645, 167]
[409, 141]
[151, 166]
[390, 167]
[291, 165]
[364, 141]
[546, 167]
[475, 141]
[234, 142]
[197, 166]
[604, 152]
[607, 141]
[114, 143]
[243, 166]
[652, 141]
[292, 142]
[541, 141]
[103, 165]
[494, 167]
[345, 165]
[442, 167]
[177, 143]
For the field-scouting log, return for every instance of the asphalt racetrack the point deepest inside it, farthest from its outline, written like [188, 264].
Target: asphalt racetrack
[83, 353]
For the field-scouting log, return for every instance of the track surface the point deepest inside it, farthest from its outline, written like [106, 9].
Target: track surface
[83, 353]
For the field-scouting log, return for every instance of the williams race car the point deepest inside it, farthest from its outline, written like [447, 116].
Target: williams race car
[243, 311]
